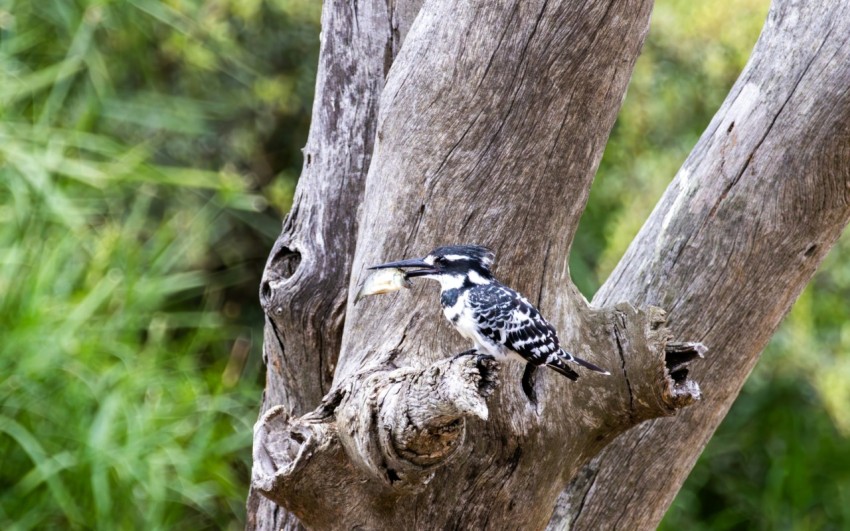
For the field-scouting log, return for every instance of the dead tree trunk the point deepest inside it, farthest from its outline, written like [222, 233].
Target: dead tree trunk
[740, 231]
[489, 128]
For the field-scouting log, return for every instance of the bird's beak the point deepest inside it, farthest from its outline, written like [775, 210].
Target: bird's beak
[425, 269]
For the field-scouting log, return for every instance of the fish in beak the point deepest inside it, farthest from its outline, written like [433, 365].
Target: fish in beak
[383, 281]
[389, 277]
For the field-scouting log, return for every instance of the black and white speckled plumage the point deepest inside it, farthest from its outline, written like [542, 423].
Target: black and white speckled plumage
[500, 321]
[507, 319]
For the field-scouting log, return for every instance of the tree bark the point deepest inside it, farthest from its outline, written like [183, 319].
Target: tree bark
[489, 130]
[740, 231]
[304, 286]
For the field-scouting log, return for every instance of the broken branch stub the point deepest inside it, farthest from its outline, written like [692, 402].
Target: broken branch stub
[394, 424]
[383, 436]
[666, 371]
[397, 425]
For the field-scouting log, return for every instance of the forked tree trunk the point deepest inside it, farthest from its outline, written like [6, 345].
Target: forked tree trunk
[488, 129]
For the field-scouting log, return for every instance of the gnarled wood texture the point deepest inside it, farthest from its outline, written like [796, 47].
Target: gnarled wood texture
[489, 130]
[520, 76]
[304, 286]
[738, 234]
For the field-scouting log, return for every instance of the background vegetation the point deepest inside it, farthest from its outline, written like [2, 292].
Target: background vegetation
[149, 149]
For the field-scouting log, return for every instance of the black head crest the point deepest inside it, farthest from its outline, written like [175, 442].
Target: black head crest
[477, 253]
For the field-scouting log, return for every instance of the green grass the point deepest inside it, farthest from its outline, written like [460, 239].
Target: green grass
[115, 411]
[147, 150]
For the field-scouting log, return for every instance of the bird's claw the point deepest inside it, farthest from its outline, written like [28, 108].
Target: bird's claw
[488, 368]
[484, 367]
[470, 352]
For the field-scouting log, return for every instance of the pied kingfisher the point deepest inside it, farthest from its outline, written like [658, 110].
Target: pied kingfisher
[500, 321]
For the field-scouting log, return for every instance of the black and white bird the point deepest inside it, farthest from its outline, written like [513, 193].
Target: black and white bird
[500, 322]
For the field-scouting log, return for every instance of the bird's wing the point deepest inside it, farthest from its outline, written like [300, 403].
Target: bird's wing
[507, 317]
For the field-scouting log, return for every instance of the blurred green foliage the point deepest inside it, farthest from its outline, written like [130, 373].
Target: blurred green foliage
[148, 150]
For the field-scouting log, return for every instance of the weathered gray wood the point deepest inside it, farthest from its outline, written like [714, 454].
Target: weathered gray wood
[384, 436]
[546, 81]
[324, 471]
[305, 283]
[736, 237]
[491, 127]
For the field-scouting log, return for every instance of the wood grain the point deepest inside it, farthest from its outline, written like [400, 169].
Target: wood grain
[304, 286]
[515, 175]
[484, 122]
[740, 231]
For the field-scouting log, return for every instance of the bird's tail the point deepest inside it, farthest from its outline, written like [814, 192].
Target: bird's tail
[558, 363]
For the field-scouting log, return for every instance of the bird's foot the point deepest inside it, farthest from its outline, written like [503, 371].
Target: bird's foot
[487, 368]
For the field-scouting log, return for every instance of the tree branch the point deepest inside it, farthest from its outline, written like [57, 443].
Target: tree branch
[546, 80]
[736, 237]
[386, 433]
[303, 291]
